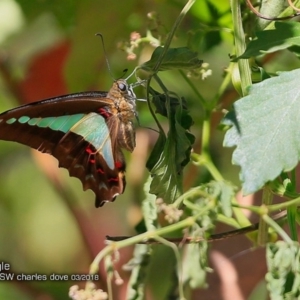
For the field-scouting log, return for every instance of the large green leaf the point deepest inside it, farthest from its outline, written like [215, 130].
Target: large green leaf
[285, 35]
[171, 153]
[175, 58]
[265, 130]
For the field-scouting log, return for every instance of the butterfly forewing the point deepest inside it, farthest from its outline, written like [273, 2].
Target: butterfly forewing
[83, 132]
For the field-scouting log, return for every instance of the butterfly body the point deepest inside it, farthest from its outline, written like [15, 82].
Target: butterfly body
[84, 131]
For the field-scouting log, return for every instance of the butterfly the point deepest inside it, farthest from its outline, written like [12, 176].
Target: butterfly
[85, 132]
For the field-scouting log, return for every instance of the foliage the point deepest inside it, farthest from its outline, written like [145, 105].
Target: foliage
[284, 274]
[264, 132]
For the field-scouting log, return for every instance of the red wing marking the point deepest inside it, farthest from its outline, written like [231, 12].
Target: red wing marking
[115, 179]
[89, 150]
[104, 113]
[99, 170]
[118, 165]
[92, 160]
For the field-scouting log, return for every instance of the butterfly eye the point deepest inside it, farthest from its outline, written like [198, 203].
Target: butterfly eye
[122, 87]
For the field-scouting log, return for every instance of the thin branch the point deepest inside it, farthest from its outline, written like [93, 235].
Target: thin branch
[255, 11]
[212, 238]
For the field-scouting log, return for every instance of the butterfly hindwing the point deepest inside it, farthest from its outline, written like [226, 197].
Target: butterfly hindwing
[90, 153]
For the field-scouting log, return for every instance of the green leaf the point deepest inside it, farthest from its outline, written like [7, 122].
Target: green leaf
[283, 277]
[138, 266]
[156, 152]
[149, 208]
[195, 265]
[259, 74]
[207, 201]
[167, 181]
[265, 130]
[170, 155]
[175, 58]
[285, 35]
[291, 217]
[224, 192]
[160, 100]
[295, 50]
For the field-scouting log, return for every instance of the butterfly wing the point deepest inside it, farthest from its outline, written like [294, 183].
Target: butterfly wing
[72, 130]
[89, 152]
[15, 123]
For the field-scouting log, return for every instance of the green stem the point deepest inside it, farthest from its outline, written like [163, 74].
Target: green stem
[193, 192]
[205, 158]
[291, 217]
[166, 93]
[206, 136]
[262, 237]
[240, 46]
[192, 86]
[271, 208]
[292, 210]
[229, 221]
[94, 267]
[108, 267]
[172, 33]
[224, 85]
[195, 207]
[277, 228]
[284, 205]
[213, 169]
[164, 52]
[161, 130]
[242, 219]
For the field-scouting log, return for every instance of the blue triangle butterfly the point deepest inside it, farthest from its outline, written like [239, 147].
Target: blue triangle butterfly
[84, 131]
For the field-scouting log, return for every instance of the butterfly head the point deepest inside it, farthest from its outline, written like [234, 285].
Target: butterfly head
[125, 89]
[122, 90]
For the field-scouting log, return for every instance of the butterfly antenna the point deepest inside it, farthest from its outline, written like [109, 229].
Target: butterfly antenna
[124, 73]
[105, 54]
[131, 75]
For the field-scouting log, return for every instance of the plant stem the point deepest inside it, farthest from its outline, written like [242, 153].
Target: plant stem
[240, 46]
[262, 237]
[223, 86]
[94, 267]
[182, 14]
[292, 210]
[278, 229]
[205, 158]
[192, 86]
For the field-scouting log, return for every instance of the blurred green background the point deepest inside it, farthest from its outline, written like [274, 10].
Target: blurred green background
[48, 48]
